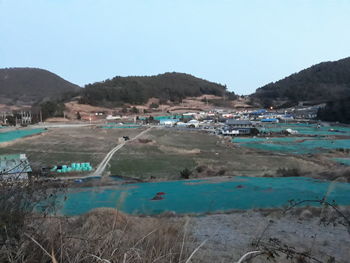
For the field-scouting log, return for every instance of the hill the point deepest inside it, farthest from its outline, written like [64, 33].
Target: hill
[26, 86]
[336, 111]
[327, 81]
[139, 89]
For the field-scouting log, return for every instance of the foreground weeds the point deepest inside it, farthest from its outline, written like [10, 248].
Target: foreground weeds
[103, 235]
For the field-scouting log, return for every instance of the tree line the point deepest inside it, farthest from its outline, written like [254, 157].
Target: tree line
[172, 87]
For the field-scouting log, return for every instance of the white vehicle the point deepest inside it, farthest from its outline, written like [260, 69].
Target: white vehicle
[229, 132]
[111, 117]
[193, 123]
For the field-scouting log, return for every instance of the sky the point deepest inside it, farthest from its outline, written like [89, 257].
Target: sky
[243, 44]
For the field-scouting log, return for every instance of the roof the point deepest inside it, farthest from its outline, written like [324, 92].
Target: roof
[169, 120]
[269, 120]
[237, 122]
[259, 111]
[14, 164]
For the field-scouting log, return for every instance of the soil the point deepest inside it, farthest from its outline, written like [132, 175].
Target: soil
[230, 236]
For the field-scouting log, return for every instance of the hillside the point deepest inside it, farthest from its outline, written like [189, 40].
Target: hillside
[139, 89]
[26, 86]
[327, 81]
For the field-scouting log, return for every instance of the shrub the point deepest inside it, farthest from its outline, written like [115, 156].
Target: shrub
[201, 168]
[154, 106]
[287, 172]
[18, 202]
[134, 110]
[185, 173]
[107, 234]
[221, 172]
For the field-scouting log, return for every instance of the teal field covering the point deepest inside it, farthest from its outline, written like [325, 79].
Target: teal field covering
[17, 134]
[299, 144]
[204, 196]
[344, 161]
[305, 146]
[307, 129]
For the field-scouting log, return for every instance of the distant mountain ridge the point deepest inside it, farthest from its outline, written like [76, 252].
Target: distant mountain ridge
[138, 89]
[326, 81]
[26, 86]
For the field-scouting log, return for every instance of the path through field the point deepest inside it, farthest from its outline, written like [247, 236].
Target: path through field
[102, 166]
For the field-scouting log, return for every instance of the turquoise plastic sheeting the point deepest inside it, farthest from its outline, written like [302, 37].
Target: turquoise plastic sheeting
[307, 129]
[266, 139]
[345, 161]
[202, 196]
[17, 134]
[302, 147]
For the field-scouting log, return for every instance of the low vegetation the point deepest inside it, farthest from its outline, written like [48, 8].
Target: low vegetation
[30, 231]
[162, 154]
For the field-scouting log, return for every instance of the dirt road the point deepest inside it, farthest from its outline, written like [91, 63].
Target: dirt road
[102, 166]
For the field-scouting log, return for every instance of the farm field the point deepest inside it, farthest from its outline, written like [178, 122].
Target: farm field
[67, 145]
[161, 154]
[164, 153]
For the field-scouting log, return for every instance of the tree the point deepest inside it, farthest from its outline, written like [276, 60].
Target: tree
[134, 110]
[154, 106]
[78, 116]
[185, 173]
[11, 120]
[52, 109]
[138, 90]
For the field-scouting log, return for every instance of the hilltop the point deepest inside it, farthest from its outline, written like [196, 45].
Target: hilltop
[26, 86]
[326, 81]
[173, 87]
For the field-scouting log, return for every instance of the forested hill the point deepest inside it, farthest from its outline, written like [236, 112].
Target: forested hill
[25, 86]
[327, 81]
[138, 89]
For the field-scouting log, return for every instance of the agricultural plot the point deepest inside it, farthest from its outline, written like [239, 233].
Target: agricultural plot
[164, 153]
[59, 146]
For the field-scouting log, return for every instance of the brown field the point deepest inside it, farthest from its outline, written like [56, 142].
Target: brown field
[67, 145]
[161, 154]
[165, 152]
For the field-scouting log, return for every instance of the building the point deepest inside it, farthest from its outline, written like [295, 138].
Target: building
[193, 124]
[270, 120]
[168, 122]
[14, 167]
[238, 127]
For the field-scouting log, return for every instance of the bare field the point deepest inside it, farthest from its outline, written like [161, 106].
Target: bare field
[229, 236]
[66, 145]
[163, 153]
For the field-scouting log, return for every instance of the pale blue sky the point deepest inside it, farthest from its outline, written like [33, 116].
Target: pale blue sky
[243, 44]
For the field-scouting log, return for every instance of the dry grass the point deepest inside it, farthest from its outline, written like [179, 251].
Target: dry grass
[104, 235]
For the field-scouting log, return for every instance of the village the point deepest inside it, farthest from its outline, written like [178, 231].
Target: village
[174, 131]
[240, 123]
